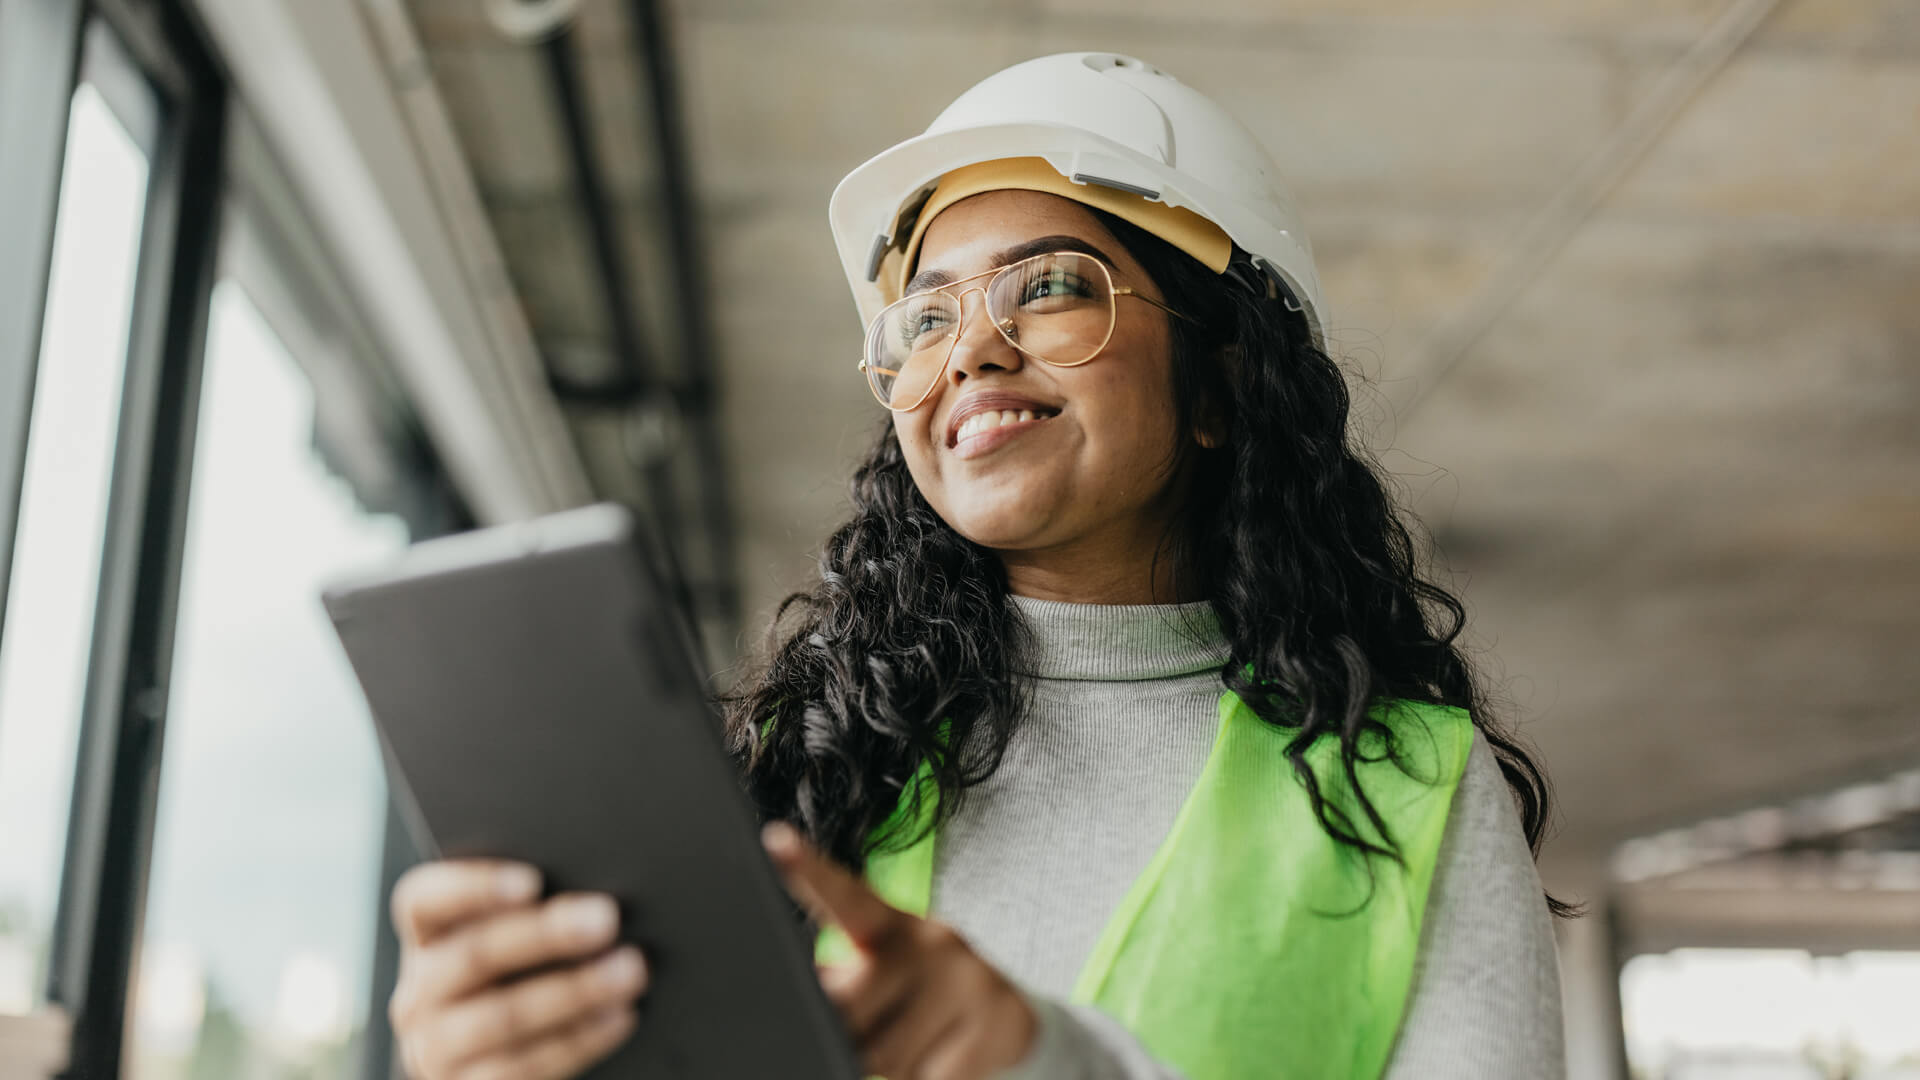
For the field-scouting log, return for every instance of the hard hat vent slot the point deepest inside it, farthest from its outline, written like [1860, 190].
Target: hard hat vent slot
[1105, 62]
[1117, 185]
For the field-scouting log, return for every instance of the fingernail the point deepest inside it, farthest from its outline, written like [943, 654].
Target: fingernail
[776, 834]
[622, 970]
[515, 883]
[591, 917]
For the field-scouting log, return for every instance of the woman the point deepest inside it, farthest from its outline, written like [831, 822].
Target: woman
[1120, 736]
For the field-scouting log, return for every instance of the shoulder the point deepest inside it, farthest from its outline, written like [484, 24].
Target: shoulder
[1484, 826]
[1419, 748]
[1404, 774]
[1437, 736]
[1486, 870]
[1486, 996]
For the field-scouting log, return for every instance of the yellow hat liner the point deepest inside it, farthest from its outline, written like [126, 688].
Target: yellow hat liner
[1178, 226]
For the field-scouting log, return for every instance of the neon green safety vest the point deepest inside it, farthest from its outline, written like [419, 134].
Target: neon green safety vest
[1254, 946]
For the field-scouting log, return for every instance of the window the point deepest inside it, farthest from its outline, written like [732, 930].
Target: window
[193, 462]
[1704, 1014]
[265, 888]
[56, 565]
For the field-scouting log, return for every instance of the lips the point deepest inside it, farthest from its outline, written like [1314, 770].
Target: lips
[992, 401]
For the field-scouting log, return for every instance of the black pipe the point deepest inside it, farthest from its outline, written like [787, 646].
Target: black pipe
[590, 190]
[700, 405]
[635, 382]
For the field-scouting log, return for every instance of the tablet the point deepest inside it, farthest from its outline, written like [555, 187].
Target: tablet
[536, 699]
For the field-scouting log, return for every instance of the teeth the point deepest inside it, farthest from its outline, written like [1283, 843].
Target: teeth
[982, 421]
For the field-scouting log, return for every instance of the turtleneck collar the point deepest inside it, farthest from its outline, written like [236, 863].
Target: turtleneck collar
[1118, 642]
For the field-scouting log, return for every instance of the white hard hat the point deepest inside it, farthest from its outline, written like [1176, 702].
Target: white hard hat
[1113, 132]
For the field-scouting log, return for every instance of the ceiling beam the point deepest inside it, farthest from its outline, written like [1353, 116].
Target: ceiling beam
[1546, 231]
[340, 92]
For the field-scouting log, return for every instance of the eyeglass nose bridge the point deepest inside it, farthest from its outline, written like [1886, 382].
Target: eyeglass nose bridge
[1005, 328]
[1005, 325]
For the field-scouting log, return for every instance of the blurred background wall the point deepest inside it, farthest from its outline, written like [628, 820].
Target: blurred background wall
[1627, 290]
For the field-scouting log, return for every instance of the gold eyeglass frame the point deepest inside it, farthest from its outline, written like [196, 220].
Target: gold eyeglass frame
[960, 325]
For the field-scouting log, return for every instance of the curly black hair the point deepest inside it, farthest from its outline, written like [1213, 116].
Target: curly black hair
[899, 656]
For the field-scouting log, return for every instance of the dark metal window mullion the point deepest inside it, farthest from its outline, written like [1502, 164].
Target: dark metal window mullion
[39, 67]
[97, 925]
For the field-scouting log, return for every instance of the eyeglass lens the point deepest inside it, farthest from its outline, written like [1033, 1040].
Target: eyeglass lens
[1057, 308]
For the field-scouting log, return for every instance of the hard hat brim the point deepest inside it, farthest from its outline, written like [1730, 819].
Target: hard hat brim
[874, 208]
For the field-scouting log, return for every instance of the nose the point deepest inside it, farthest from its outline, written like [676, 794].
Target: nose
[980, 345]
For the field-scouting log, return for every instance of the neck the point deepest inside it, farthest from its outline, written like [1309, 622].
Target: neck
[1083, 574]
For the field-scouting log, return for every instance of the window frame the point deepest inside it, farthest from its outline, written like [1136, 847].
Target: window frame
[125, 47]
[39, 63]
[96, 927]
[207, 165]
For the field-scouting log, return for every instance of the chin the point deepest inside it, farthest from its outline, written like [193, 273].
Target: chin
[1003, 525]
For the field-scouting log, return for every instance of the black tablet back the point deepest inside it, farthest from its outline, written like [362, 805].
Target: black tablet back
[535, 701]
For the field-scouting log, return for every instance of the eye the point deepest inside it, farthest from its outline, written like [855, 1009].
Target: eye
[1055, 281]
[920, 321]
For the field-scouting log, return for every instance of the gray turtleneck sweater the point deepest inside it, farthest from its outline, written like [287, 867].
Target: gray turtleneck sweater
[1122, 713]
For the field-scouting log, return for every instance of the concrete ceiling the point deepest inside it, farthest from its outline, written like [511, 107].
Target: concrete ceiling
[1635, 285]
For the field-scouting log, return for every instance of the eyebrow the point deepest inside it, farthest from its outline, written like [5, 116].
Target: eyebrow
[933, 279]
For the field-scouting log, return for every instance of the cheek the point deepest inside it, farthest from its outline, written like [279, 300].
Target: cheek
[914, 433]
[1128, 415]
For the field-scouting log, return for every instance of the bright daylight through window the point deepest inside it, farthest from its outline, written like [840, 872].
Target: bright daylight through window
[260, 922]
[56, 561]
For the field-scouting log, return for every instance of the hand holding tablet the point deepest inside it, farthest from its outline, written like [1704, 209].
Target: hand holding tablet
[538, 708]
[495, 982]
[537, 704]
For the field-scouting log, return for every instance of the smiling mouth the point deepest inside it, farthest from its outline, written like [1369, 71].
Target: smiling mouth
[990, 419]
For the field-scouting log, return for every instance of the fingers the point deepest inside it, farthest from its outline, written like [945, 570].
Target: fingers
[917, 999]
[988, 1039]
[564, 1054]
[523, 1012]
[434, 897]
[960, 1053]
[900, 1046]
[900, 1005]
[829, 893]
[917, 1051]
[866, 993]
[567, 927]
[869, 989]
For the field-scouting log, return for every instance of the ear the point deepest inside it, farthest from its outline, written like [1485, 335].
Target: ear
[1211, 432]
